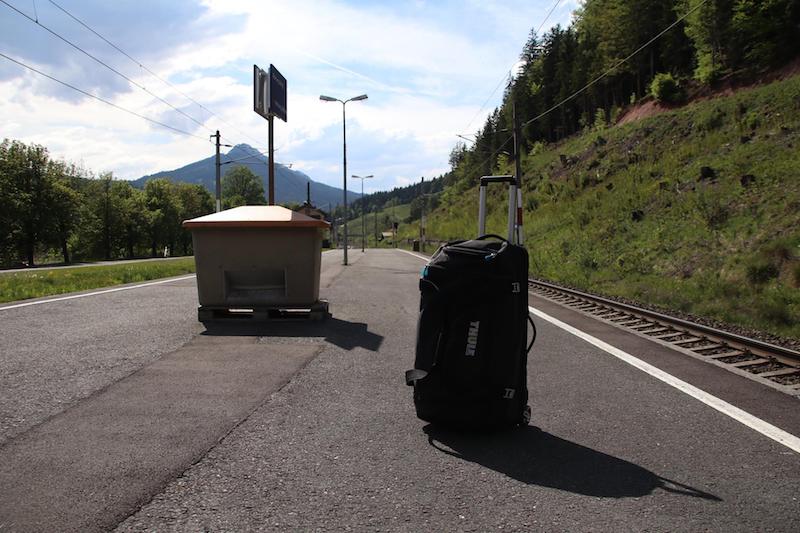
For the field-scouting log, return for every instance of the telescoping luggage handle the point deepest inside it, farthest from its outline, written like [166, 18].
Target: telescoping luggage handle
[515, 235]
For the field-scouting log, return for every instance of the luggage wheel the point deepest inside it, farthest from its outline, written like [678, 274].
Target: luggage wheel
[526, 416]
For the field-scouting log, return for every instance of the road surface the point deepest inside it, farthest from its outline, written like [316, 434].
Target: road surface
[134, 416]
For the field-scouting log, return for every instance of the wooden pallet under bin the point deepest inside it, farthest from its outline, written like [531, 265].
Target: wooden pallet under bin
[317, 311]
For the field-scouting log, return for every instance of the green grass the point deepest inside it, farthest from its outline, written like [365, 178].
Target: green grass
[16, 286]
[397, 213]
[632, 216]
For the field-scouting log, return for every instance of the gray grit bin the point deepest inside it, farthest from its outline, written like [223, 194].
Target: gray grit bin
[257, 257]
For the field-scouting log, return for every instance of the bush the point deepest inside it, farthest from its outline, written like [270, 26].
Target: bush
[666, 89]
[710, 120]
[761, 271]
[600, 119]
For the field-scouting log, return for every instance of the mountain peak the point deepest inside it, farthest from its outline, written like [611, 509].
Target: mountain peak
[290, 185]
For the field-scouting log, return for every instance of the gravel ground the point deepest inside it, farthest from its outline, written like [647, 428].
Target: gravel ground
[786, 342]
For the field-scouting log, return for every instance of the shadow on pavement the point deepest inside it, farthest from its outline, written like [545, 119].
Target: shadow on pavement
[345, 335]
[535, 457]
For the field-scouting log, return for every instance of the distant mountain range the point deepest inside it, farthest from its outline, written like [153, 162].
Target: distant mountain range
[290, 185]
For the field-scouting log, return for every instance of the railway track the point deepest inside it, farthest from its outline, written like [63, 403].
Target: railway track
[774, 366]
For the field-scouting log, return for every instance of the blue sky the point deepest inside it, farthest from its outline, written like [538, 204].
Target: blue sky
[427, 66]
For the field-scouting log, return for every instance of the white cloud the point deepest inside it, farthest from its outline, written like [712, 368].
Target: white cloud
[425, 67]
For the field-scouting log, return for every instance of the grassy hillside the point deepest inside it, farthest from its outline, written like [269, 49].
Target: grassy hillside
[386, 216]
[696, 209]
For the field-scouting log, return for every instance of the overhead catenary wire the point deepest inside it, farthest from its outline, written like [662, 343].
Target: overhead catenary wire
[106, 65]
[616, 65]
[505, 76]
[251, 156]
[598, 78]
[149, 71]
[90, 95]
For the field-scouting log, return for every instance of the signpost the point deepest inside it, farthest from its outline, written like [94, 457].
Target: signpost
[269, 101]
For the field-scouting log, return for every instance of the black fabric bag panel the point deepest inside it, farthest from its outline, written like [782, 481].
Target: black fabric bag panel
[471, 335]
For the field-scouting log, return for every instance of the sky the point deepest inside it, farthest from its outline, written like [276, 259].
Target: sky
[431, 69]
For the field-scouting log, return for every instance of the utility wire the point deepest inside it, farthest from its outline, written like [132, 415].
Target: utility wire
[618, 64]
[112, 69]
[553, 8]
[606, 73]
[90, 95]
[143, 67]
[251, 156]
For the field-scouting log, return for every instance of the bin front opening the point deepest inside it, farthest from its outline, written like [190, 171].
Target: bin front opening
[262, 285]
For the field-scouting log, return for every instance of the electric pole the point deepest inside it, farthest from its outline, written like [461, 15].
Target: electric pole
[217, 182]
[271, 185]
[518, 171]
[422, 216]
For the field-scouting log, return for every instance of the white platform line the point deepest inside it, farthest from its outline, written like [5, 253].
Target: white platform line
[754, 423]
[765, 428]
[95, 293]
[415, 254]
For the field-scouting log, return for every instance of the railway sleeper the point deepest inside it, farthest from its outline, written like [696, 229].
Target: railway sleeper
[658, 331]
[606, 313]
[667, 335]
[723, 355]
[684, 343]
[780, 372]
[620, 318]
[750, 362]
[710, 349]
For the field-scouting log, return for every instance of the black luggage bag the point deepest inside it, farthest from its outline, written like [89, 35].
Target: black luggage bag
[470, 368]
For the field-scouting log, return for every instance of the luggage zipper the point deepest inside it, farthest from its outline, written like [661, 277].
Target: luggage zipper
[471, 251]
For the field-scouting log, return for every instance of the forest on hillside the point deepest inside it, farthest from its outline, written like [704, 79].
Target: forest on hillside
[693, 209]
[613, 54]
[52, 211]
[616, 52]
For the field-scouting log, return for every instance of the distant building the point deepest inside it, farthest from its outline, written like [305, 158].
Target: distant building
[311, 211]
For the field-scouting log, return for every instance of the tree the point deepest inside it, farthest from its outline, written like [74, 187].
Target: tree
[11, 159]
[63, 202]
[194, 201]
[164, 209]
[709, 28]
[765, 32]
[457, 155]
[24, 199]
[103, 217]
[240, 186]
[136, 219]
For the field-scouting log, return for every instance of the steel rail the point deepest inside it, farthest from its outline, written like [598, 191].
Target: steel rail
[754, 346]
[775, 366]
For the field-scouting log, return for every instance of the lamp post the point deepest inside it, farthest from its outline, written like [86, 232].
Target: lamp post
[363, 209]
[344, 156]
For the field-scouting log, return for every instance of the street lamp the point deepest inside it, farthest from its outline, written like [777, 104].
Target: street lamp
[344, 156]
[363, 209]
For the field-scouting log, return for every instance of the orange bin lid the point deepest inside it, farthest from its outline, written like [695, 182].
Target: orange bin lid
[255, 216]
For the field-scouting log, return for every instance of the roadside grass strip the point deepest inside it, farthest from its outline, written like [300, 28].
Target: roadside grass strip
[16, 286]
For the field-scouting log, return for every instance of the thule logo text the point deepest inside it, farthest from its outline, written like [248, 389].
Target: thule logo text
[472, 338]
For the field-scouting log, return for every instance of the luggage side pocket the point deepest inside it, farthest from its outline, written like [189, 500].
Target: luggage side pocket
[429, 331]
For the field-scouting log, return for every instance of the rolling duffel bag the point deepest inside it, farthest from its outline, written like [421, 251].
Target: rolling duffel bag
[470, 367]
